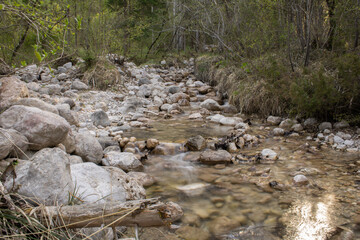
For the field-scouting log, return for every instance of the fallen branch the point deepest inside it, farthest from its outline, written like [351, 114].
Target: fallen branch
[144, 213]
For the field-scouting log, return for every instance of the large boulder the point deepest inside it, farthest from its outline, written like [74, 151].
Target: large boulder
[88, 147]
[44, 179]
[196, 143]
[125, 160]
[215, 157]
[35, 102]
[100, 118]
[12, 143]
[211, 105]
[42, 128]
[97, 184]
[11, 90]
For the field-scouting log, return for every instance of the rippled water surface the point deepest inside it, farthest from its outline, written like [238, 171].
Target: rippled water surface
[236, 201]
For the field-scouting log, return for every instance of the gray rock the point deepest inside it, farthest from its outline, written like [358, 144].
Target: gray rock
[107, 142]
[124, 160]
[44, 179]
[168, 149]
[65, 112]
[300, 180]
[338, 140]
[78, 85]
[197, 143]
[95, 184]
[12, 143]
[100, 118]
[278, 132]
[287, 123]
[62, 76]
[88, 147]
[54, 89]
[297, 127]
[11, 90]
[70, 102]
[179, 96]
[230, 121]
[142, 178]
[174, 89]
[273, 120]
[310, 124]
[33, 86]
[29, 77]
[215, 157]
[69, 143]
[268, 154]
[165, 107]
[35, 102]
[41, 128]
[75, 159]
[342, 124]
[67, 65]
[144, 91]
[325, 125]
[61, 70]
[112, 148]
[143, 81]
[216, 118]
[210, 105]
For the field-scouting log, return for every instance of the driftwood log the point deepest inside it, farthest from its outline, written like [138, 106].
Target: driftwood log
[143, 213]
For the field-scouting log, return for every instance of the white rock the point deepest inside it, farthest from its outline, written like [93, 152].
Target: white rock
[268, 154]
[194, 189]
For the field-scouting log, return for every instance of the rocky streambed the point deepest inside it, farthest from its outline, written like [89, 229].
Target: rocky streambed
[163, 133]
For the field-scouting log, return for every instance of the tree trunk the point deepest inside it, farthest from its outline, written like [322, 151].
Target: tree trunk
[331, 6]
[143, 213]
[21, 42]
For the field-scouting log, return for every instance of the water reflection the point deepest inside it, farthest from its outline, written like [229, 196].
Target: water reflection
[310, 219]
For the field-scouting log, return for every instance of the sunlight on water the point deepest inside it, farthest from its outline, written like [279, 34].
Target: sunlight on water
[311, 220]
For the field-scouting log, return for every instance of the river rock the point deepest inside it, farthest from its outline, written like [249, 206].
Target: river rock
[230, 121]
[221, 225]
[78, 85]
[287, 123]
[216, 118]
[45, 178]
[178, 96]
[53, 89]
[88, 147]
[268, 154]
[11, 90]
[195, 116]
[144, 179]
[65, 112]
[310, 124]
[192, 233]
[300, 180]
[210, 105]
[100, 118]
[297, 127]
[215, 157]
[125, 160]
[168, 149]
[9, 137]
[342, 124]
[143, 81]
[174, 89]
[151, 143]
[278, 132]
[273, 120]
[325, 125]
[232, 148]
[193, 190]
[62, 76]
[35, 102]
[196, 143]
[95, 184]
[69, 142]
[41, 128]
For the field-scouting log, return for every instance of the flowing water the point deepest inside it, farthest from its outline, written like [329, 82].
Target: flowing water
[236, 201]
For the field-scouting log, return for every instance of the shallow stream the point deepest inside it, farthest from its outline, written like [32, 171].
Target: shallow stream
[236, 201]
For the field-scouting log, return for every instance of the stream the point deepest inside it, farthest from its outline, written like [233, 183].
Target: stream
[224, 200]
